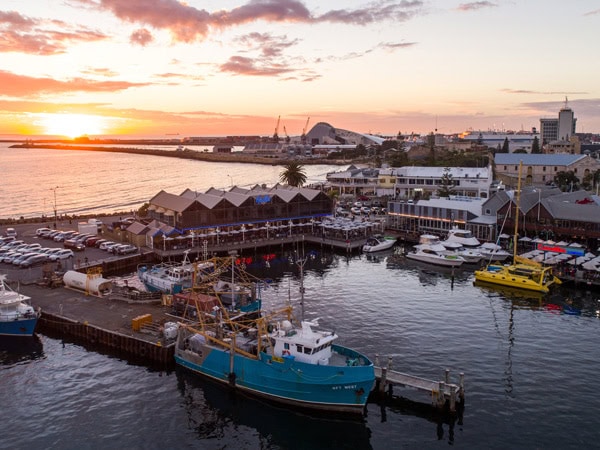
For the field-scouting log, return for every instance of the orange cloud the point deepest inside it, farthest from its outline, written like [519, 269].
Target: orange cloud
[14, 85]
[188, 24]
[23, 34]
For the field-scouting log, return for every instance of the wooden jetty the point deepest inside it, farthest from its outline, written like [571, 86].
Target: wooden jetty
[444, 395]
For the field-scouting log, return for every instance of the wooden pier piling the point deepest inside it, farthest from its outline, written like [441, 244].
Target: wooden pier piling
[444, 395]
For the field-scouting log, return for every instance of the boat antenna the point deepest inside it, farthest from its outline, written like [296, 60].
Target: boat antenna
[517, 211]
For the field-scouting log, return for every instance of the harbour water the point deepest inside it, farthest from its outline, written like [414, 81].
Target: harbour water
[531, 364]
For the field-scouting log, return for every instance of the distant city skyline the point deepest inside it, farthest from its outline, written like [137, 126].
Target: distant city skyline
[227, 67]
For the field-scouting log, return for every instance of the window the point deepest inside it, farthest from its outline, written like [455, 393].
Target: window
[555, 169]
[504, 167]
[544, 168]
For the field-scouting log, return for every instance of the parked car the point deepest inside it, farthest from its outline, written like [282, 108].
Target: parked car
[12, 244]
[124, 249]
[106, 245]
[74, 245]
[41, 231]
[99, 242]
[109, 247]
[34, 246]
[22, 257]
[11, 232]
[6, 240]
[34, 260]
[91, 241]
[8, 257]
[64, 253]
[64, 235]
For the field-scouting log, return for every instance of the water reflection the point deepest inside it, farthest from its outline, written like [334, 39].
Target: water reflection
[15, 350]
[213, 409]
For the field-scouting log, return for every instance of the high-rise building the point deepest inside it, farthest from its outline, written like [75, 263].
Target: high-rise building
[561, 129]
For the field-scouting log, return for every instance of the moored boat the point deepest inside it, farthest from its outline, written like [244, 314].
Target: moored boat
[462, 237]
[522, 273]
[378, 243]
[272, 357]
[431, 251]
[471, 256]
[493, 252]
[17, 316]
[171, 278]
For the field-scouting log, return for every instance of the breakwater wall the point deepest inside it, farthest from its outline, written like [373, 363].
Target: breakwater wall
[236, 157]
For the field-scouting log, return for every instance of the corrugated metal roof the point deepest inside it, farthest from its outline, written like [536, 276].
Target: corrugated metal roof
[537, 159]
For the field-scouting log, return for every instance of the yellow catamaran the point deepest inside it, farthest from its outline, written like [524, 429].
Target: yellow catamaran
[522, 273]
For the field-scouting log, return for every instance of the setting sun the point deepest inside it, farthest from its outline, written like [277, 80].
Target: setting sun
[72, 125]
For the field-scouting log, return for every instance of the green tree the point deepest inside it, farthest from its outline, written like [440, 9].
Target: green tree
[505, 146]
[293, 174]
[535, 146]
[446, 183]
[566, 181]
[591, 180]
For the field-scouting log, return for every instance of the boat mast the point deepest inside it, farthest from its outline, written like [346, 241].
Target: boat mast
[517, 211]
[233, 254]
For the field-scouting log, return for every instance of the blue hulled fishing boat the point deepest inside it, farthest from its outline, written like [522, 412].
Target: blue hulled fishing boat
[274, 358]
[17, 316]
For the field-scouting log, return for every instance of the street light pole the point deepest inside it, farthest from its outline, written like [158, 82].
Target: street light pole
[55, 212]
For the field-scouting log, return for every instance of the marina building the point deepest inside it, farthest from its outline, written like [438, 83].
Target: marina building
[539, 169]
[410, 181]
[237, 210]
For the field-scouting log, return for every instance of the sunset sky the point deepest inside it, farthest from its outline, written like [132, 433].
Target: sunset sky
[225, 67]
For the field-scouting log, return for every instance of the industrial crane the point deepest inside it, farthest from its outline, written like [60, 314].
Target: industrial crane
[287, 138]
[303, 137]
[276, 135]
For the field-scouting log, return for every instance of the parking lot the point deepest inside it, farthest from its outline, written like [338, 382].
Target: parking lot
[27, 233]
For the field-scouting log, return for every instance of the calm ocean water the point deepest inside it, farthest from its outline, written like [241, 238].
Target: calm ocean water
[531, 365]
[94, 182]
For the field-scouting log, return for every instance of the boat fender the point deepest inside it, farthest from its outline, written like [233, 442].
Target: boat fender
[285, 353]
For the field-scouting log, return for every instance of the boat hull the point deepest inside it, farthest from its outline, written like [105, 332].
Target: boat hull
[19, 327]
[499, 275]
[158, 284]
[377, 248]
[438, 261]
[286, 381]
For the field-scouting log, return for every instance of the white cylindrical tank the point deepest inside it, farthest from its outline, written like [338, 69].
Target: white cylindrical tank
[97, 286]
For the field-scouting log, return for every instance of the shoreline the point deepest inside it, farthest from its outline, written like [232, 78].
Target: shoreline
[186, 154]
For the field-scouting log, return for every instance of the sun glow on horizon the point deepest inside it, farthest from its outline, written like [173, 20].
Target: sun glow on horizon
[72, 125]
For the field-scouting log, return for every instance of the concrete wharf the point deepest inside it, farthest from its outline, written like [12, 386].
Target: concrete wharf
[108, 324]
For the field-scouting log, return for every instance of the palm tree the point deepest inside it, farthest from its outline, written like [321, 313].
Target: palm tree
[293, 174]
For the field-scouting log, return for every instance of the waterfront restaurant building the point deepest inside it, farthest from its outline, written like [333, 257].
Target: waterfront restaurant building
[237, 210]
